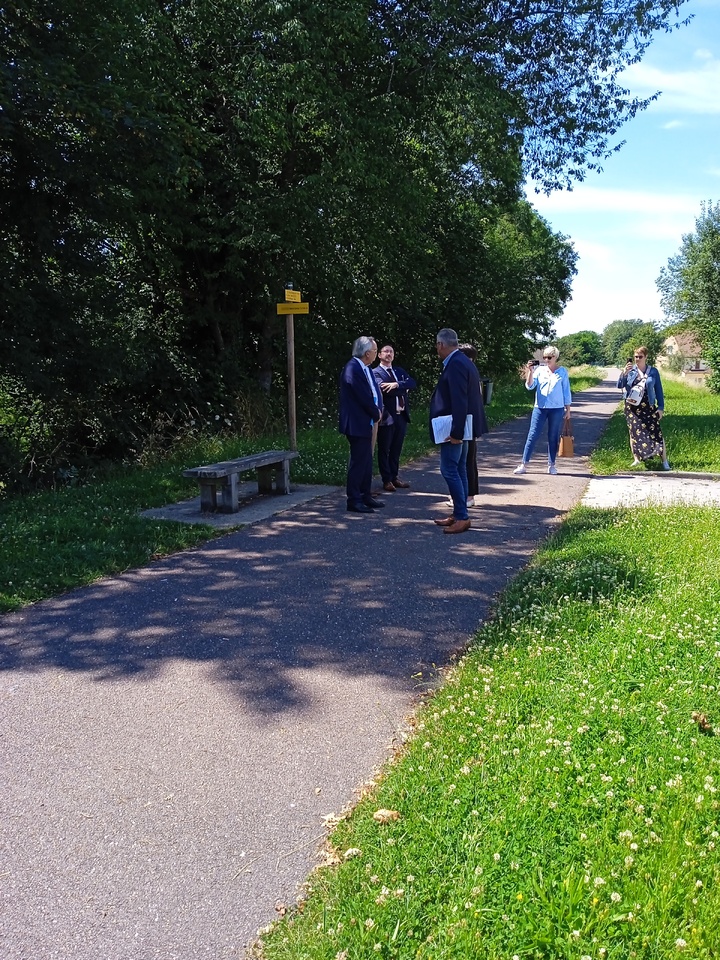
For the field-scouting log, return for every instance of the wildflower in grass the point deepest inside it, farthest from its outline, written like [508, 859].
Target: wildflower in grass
[615, 897]
[369, 923]
[496, 857]
[680, 943]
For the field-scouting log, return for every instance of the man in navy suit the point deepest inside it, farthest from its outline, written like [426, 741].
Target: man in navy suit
[394, 383]
[360, 409]
[457, 394]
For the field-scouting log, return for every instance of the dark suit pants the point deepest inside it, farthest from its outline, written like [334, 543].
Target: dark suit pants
[472, 470]
[390, 443]
[359, 475]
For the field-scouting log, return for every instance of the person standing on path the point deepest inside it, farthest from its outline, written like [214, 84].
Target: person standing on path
[456, 395]
[394, 384]
[360, 408]
[551, 384]
[643, 418]
[471, 462]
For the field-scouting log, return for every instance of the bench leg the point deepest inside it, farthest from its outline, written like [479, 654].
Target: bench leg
[208, 497]
[282, 477]
[229, 491]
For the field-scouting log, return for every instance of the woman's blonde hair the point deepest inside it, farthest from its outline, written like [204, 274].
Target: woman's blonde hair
[552, 350]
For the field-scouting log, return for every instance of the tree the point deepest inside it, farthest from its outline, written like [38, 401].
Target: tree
[166, 168]
[646, 335]
[615, 337]
[690, 286]
[577, 349]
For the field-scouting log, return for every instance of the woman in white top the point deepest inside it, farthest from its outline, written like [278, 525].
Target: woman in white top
[551, 384]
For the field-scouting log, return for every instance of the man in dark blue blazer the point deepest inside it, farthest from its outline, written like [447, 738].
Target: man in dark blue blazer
[360, 408]
[457, 394]
[394, 383]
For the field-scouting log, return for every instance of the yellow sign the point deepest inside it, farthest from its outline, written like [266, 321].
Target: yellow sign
[293, 308]
[293, 296]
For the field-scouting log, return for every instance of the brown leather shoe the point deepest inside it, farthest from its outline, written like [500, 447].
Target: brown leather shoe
[401, 484]
[460, 526]
[390, 487]
[446, 522]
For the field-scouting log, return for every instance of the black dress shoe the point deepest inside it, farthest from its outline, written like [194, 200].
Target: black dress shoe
[372, 502]
[360, 508]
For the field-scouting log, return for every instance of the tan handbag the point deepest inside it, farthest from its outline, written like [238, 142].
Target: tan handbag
[567, 445]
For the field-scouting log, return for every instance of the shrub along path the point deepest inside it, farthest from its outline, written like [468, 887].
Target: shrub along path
[174, 737]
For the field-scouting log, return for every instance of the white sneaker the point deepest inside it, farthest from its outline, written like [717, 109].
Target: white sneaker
[552, 469]
[520, 469]
[471, 501]
[636, 463]
[666, 465]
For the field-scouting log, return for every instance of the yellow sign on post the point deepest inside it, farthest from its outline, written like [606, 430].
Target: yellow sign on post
[293, 308]
[293, 296]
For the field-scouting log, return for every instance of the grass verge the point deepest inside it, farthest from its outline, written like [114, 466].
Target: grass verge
[559, 797]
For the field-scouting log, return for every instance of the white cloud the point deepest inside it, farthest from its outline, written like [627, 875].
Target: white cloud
[693, 91]
[673, 125]
[585, 199]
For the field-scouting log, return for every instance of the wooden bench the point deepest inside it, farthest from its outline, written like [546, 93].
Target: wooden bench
[222, 478]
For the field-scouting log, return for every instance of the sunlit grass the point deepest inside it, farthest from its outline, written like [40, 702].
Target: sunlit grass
[557, 799]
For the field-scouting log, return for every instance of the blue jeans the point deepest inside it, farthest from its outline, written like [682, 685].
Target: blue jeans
[554, 418]
[452, 467]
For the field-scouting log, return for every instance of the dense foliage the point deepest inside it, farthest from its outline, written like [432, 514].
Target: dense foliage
[166, 170]
[580, 348]
[690, 286]
[621, 337]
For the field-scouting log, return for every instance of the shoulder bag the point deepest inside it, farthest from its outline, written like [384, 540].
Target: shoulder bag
[567, 445]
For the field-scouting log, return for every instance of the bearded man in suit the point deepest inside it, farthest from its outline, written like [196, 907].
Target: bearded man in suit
[394, 383]
[360, 408]
[457, 394]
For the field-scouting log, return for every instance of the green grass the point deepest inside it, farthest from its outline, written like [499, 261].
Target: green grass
[51, 542]
[556, 800]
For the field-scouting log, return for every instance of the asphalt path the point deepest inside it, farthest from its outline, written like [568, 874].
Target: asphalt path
[173, 738]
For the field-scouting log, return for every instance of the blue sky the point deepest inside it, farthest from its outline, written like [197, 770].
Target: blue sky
[627, 221]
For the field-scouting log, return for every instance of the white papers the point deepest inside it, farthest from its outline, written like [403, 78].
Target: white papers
[442, 426]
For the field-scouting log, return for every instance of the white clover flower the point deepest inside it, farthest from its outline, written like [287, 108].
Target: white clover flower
[369, 923]
[599, 882]
[680, 943]
[496, 857]
[615, 897]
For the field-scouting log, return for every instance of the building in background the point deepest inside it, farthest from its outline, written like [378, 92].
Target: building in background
[682, 356]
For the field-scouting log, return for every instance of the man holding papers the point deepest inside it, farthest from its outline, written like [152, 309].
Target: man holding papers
[458, 397]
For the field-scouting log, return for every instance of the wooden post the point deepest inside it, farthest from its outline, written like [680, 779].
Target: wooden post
[292, 413]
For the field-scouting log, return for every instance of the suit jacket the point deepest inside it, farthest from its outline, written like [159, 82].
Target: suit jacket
[357, 408]
[457, 394]
[405, 383]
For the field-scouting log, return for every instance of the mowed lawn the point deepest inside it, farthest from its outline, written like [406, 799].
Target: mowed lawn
[558, 796]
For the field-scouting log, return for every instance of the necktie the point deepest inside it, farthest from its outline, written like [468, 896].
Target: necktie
[399, 401]
[371, 381]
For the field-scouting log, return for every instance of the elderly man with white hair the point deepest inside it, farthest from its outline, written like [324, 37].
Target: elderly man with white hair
[360, 408]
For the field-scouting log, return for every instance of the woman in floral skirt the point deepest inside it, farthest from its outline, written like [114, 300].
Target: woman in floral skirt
[643, 419]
